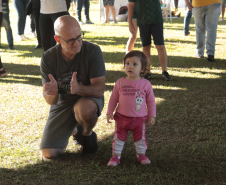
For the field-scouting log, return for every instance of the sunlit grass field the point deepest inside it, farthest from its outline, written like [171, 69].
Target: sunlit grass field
[187, 145]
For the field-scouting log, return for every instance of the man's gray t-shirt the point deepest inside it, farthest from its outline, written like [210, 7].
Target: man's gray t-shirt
[88, 64]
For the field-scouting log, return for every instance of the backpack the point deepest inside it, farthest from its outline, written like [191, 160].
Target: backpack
[123, 10]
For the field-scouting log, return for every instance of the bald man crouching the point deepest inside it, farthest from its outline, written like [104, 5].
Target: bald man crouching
[73, 77]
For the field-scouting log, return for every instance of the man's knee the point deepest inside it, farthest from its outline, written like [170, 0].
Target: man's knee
[51, 152]
[85, 108]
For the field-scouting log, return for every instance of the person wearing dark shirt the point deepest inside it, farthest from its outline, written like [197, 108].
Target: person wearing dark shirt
[150, 22]
[73, 77]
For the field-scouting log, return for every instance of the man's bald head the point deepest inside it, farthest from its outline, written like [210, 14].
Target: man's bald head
[65, 23]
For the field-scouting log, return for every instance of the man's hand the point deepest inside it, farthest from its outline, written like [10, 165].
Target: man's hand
[74, 84]
[109, 116]
[151, 121]
[189, 4]
[51, 87]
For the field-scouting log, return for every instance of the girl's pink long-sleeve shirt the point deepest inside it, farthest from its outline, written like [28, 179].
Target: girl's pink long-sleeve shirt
[134, 98]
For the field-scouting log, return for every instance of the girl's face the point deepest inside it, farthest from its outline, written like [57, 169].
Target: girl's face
[133, 68]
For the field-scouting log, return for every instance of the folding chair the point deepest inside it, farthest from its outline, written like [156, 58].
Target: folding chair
[167, 9]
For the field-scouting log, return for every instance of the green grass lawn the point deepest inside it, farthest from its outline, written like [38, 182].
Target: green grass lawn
[187, 145]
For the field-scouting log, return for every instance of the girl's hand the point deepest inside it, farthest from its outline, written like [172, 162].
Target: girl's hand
[151, 121]
[109, 116]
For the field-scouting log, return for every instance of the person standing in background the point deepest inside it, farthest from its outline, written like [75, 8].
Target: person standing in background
[73, 6]
[150, 22]
[50, 11]
[132, 37]
[80, 4]
[109, 4]
[9, 34]
[187, 20]
[2, 70]
[206, 14]
[36, 13]
[33, 27]
[176, 6]
[20, 6]
[223, 9]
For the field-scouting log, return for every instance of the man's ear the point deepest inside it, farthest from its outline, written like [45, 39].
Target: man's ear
[57, 39]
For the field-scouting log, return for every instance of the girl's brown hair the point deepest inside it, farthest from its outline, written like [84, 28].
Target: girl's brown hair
[140, 55]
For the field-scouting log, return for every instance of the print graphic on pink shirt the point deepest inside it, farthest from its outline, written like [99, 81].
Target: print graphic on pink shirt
[132, 91]
[132, 98]
[139, 101]
[128, 90]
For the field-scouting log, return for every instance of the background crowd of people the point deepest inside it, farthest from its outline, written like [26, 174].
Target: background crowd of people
[44, 13]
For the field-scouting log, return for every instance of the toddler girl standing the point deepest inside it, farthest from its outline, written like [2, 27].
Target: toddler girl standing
[134, 96]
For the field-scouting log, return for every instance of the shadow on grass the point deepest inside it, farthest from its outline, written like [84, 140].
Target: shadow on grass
[123, 40]
[175, 41]
[178, 21]
[19, 73]
[114, 41]
[166, 23]
[24, 50]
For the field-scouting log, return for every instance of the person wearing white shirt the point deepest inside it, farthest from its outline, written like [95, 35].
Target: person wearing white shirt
[50, 11]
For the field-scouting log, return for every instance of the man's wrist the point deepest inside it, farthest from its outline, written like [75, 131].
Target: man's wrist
[52, 93]
[55, 92]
